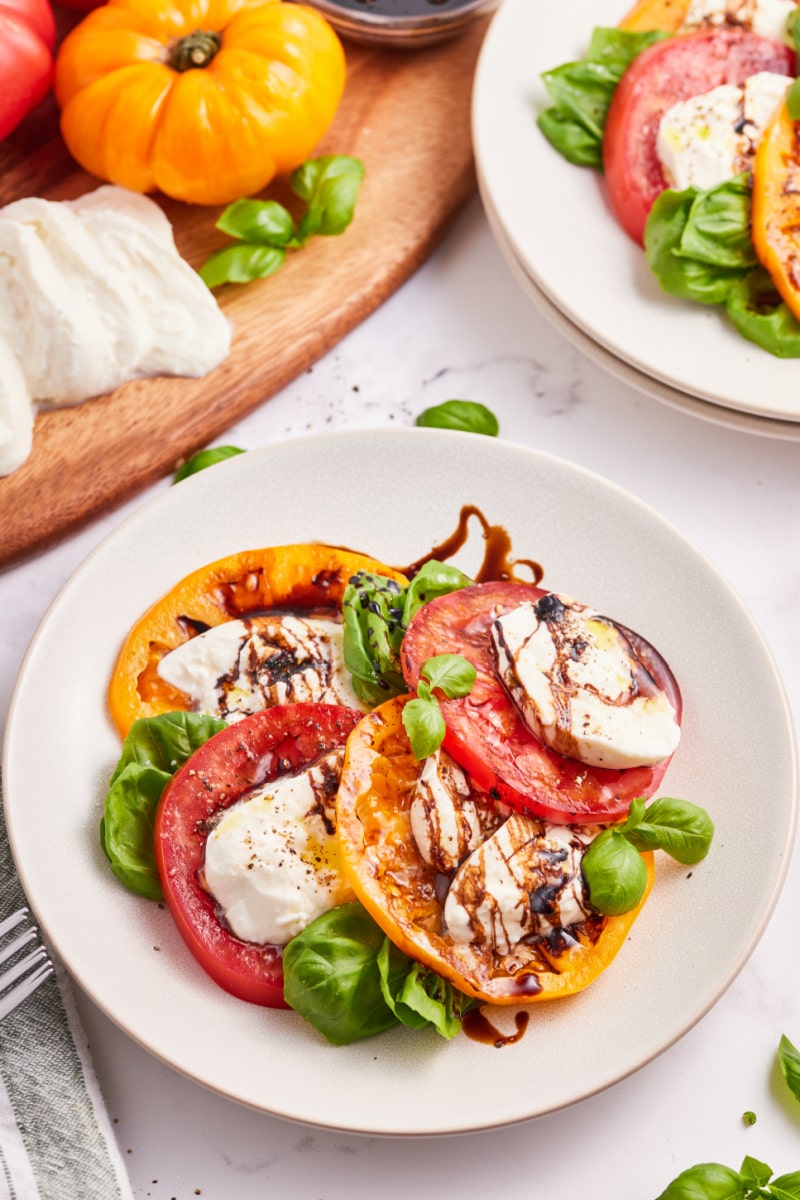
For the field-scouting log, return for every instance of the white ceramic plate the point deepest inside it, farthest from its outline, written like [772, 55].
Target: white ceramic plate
[731, 418]
[395, 494]
[557, 221]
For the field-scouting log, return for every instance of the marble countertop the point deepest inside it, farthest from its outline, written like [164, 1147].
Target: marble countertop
[463, 328]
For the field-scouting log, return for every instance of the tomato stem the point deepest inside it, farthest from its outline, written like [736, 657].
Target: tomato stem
[196, 50]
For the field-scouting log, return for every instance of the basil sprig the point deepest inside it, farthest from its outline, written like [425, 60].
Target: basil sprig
[582, 92]
[466, 415]
[344, 976]
[153, 750]
[377, 612]
[422, 717]
[614, 871]
[265, 230]
[699, 246]
[713, 1181]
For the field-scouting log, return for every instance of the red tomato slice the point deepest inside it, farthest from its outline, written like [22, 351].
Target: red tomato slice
[279, 741]
[488, 737]
[658, 78]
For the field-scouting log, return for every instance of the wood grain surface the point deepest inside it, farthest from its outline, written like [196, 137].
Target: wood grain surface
[406, 115]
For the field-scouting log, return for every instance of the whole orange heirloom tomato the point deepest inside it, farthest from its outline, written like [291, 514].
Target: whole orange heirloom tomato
[206, 100]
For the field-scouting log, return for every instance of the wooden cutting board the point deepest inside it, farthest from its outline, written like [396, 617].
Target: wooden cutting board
[406, 115]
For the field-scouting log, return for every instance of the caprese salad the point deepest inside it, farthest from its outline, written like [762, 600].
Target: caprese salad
[689, 109]
[378, 799]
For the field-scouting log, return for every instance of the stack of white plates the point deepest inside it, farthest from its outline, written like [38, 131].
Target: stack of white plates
[552, 222]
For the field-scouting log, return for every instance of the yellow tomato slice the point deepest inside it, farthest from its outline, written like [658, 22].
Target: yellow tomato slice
[655, 14]
[776, 206]
[296, 577]
[399, 888]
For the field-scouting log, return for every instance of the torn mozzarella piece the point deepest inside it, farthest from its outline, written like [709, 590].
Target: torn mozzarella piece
[272, 860]
[525, 881]
[93, 293]
[768, 18]
[242, 667]
[579, 686]
[707, 139]
[445, 822]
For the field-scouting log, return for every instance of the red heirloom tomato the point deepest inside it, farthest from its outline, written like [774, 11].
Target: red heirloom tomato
[279, 741]
[659, 77]
[488, 737]
[27, 37]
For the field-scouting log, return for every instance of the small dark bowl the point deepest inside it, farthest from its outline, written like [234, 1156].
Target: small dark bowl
[406, 24]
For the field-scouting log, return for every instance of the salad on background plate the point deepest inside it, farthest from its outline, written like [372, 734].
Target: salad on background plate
[651, 146]
[128, 953]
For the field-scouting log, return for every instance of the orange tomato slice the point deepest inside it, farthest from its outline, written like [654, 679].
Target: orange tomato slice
[399, 889]
[776, 206]
[295, 578]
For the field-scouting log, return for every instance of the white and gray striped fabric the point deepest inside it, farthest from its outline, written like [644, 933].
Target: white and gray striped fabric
[56, 1140]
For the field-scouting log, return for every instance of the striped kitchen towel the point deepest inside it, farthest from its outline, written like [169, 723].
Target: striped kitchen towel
[56, 1141]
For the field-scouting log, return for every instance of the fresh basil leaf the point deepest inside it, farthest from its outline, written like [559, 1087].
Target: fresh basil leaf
[331, 975]
[330, 187]
[126, 830]
[166, 741]
[373, 609]
[241, 264]
[717, 231]
[615, 873]
[758, 312]
[571, 139]
[756, 1173]
[153, 750]
[793, 27]
[785, 1187]
[424, 724]
[707, 1181]
[582, 92]
[466, 415]
[433, 579]
[678, 274]
[417, 996]
[682, 829]
[793, 101]
[749, 1117]
[789, 1060]
[264, 222]
[451, 673]
[205, 458]
[635, 814]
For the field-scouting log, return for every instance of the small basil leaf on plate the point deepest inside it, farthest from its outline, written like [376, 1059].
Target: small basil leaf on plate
[419, 997]
[241, 264]
[126, 830]
[432, 580]
[789, 1060]
[707, 1181]
[467, 415]
[682, 829]
[332, 979]
[571, 139]
[205, 458]
[678, 272]
[330, 187]
[373, 609]
[759, 314]
[615, 873]
[717, 231]
[424, 724]
[451, 673]
[264, 222]
[153, 750]
[793, 101]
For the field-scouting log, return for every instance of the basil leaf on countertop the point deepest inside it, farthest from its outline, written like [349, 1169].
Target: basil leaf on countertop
[707, 1181]
[582, 92]
[467, 415]
[153, 750]
[205, 458]
[789, 1061]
